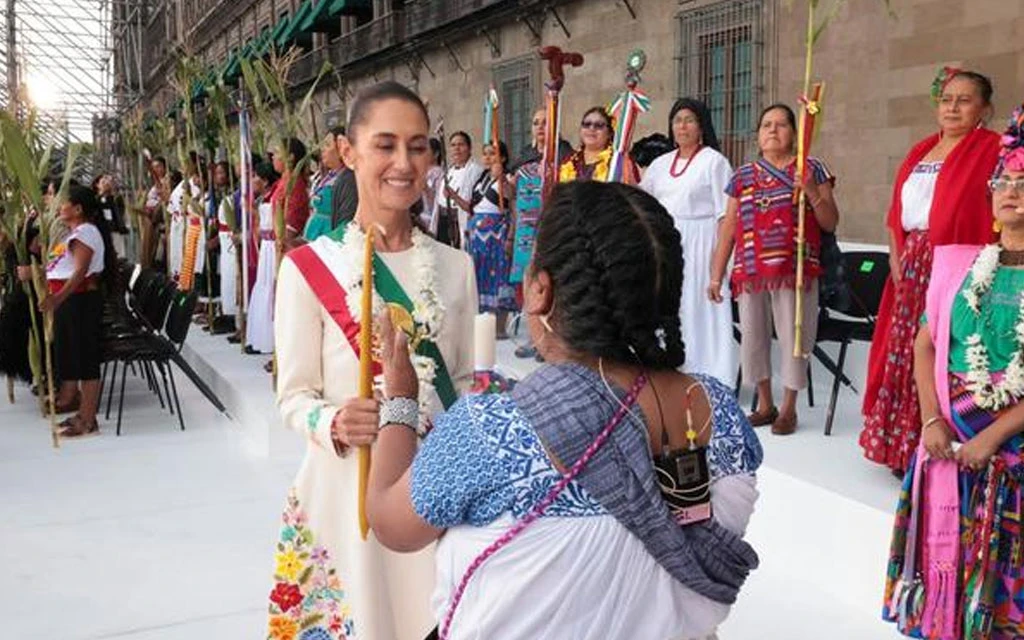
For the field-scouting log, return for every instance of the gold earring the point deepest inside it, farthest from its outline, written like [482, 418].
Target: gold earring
[997, 226]
[546, 323]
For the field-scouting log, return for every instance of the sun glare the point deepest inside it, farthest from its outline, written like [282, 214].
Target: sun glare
[42, 91]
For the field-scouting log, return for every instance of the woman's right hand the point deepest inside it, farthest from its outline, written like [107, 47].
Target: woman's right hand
[356, 423]
[895, 268]
[938, 441]
[715, 291]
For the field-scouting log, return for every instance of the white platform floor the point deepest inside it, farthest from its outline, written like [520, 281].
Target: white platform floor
[168, 535]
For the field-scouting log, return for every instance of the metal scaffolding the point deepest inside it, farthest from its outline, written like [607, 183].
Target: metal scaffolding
[78, 61]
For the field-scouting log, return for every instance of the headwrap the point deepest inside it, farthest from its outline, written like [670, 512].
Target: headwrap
[1011, 152]
[942, 78]
[707, 125]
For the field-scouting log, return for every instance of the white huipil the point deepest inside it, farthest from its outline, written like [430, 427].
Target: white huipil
[386, 595]
[179, 227]
[696, 200]
[227, 264]
[259, 330]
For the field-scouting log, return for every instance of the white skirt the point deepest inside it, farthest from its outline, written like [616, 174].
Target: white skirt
[228, 268]
[176, 245]
[597, 579]
[259, 331]
[707, 327]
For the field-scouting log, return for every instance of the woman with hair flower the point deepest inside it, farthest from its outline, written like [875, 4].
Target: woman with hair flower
[955, 568]
[939, 198]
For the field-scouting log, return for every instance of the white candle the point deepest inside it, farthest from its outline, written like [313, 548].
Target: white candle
[485, 341]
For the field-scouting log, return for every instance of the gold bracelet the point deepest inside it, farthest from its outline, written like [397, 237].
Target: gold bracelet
[931, 421]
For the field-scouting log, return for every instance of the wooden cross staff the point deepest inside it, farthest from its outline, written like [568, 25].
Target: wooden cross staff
[557, 60]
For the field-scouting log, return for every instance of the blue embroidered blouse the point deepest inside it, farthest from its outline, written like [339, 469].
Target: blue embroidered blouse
[483, 459]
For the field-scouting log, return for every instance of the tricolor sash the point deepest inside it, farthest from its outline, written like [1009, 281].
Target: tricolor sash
[310, 260]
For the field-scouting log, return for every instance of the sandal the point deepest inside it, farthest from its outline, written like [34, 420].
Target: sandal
[763, 419]
[71, 407]
[784, 425]
[78, 429]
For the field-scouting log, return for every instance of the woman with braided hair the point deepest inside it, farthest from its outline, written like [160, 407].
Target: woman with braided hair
[625, 545]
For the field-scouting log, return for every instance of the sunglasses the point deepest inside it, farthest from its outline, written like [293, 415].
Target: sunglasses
[999, 185]
[597, 125]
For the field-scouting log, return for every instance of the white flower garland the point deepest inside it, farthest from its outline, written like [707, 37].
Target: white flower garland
[428, 310]
[988, 394]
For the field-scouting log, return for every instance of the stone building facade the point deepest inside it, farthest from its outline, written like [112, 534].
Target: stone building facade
[738, 55]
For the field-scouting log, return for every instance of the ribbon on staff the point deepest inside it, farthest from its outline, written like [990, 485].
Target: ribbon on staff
[626, 109]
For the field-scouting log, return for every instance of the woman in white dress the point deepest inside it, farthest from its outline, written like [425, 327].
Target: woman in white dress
[259, 330]
[328, 582]
[690, 183]
[227, 215]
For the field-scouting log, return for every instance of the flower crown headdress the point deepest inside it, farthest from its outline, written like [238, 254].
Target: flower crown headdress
[1011, 153]
[942, 78]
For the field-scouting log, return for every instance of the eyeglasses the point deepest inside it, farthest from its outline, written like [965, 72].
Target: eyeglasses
[998, 185]
[593, 124]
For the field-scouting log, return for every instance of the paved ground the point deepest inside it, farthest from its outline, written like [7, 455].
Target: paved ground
[161, 534]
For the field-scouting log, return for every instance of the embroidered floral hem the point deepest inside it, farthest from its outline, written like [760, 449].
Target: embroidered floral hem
[308, 601]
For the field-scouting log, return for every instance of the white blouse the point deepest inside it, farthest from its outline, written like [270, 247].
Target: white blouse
[62, 262]
[699, 192]
[917, 195]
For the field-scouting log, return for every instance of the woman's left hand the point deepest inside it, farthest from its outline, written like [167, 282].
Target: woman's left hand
[811, 189]
[977, 452]
[400, 379]
[50, 303]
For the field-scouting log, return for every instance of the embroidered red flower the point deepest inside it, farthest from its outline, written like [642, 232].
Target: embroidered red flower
[286, 596]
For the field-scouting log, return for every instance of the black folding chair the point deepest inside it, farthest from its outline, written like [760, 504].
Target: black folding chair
[866, 273]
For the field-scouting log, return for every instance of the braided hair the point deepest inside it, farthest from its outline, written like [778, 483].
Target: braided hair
[616, 263]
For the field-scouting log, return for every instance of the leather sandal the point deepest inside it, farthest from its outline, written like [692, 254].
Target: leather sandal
[784, 425]
[70, 407]
[763, 419]
[78, 429]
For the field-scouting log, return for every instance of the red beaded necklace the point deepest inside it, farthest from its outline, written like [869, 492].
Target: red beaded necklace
[672, 169]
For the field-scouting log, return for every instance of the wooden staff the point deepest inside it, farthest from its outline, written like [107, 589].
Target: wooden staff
[803, 142]
[557, 60]
[365, 371]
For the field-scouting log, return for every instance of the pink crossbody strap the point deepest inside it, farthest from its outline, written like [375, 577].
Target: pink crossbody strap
[543, 505]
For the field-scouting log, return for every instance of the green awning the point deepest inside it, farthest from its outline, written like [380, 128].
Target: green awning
[341, 7]
[289, 33]
[320, 11]
[262, 43]
[229, 64]
[279, 28]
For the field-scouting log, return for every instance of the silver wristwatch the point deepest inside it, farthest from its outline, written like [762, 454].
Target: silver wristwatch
[403, 411]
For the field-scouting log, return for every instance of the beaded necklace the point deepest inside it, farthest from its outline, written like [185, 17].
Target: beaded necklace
[679, 152]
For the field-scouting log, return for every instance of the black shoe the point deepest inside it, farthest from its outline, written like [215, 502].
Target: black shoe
[223, 324]
[529, 351]
[235, 338]
[249, 350]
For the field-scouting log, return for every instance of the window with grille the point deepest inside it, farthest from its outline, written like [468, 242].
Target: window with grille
[515, 81]
[720, 61]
